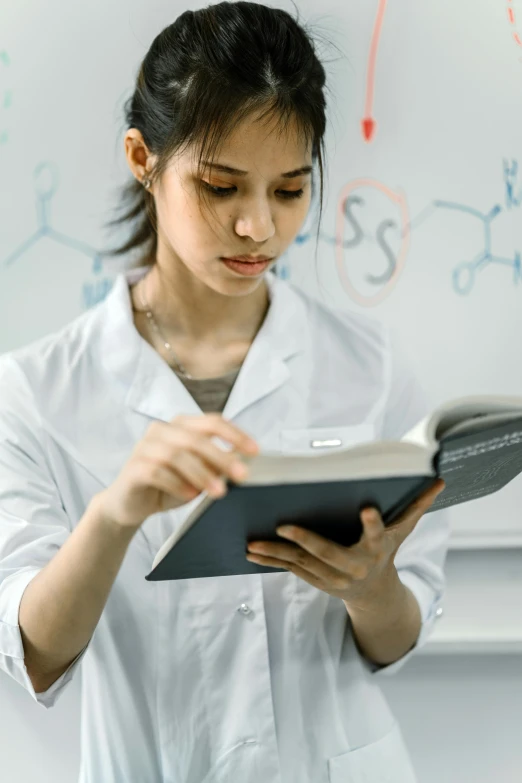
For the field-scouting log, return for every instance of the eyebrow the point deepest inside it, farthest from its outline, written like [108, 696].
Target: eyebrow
[240, 173]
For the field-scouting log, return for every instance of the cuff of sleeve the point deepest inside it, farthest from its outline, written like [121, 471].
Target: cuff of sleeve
[11, 644]
[429, 602]
[11, 591]
[48, 698]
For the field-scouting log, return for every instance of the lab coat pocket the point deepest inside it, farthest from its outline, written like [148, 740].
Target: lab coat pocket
[384, 761]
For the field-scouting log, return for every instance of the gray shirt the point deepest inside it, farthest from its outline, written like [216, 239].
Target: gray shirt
[211, 394]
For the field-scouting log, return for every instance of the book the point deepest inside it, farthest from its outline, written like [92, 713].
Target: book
[473, 443]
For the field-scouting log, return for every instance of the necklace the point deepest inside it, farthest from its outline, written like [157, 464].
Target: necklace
[167, 345]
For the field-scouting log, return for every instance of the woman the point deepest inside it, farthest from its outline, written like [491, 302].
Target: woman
[108, 434]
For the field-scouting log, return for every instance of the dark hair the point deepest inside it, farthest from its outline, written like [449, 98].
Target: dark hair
[202, 75]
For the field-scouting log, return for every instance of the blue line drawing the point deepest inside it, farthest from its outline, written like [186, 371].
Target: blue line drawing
[46, 179]
[283, 269]
[6, 95]
[511, 180]
[464, 274]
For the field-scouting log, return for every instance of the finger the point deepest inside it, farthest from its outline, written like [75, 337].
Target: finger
[219, 461]
[215, 424]
[300, 563]
[424, 501]
[168, 482]
[188, 466]
[273, 562]
[373, 530]
[432, 492]
[334, 555]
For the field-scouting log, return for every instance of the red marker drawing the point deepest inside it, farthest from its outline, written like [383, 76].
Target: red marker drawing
[400, 207]
[368, 121]
[513, 22]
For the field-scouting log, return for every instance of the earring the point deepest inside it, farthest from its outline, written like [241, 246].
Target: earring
[146, 183]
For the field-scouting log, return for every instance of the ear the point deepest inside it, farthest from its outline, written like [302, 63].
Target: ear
[139, 158]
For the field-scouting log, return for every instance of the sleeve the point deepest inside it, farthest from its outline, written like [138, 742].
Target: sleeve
[421, 557]
[33, 523]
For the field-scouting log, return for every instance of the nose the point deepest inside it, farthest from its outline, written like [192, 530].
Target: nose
[255, 221]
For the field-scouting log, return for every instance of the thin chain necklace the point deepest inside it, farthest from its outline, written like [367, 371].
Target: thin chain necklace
[167, 345]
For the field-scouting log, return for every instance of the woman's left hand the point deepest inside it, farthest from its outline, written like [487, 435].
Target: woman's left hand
[343, 572]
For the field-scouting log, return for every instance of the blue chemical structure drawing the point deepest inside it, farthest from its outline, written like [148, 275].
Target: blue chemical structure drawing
[46, 179]
[283, 270]
[6, 96]
[359, 235]
[513, 196]
[465, 273]
[463, 277]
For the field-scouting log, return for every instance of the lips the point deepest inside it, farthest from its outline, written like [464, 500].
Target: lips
[247, 259]
[248, 268]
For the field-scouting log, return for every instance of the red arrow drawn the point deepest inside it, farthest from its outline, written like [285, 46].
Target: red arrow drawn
[368, 122]
[513, 22]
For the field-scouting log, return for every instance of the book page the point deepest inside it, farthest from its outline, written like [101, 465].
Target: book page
[481, 422]
[464, 414]
[461, 412]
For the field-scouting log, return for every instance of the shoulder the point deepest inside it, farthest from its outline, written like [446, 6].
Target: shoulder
[357, 336]
[42, 365]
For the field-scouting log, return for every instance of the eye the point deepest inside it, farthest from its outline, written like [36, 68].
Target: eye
[217, 191]
[223, 192]
[291, 193]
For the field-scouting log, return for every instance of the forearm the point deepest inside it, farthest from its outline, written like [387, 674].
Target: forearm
[387, 622]
[62, 605]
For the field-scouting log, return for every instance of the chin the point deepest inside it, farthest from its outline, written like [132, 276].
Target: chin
[240, 286]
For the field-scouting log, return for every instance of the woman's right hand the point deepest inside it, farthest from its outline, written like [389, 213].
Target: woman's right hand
[172, 464]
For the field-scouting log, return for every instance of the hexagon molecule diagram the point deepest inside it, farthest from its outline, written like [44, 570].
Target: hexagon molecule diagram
[50, 278]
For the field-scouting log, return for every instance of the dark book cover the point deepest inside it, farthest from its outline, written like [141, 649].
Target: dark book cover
[478, 464]
[472, 465]
[216, 543]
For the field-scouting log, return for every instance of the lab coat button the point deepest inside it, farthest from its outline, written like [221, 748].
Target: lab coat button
[244, 609]
[439, 612]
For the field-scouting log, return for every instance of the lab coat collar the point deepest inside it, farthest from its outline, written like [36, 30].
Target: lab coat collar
[155, 391]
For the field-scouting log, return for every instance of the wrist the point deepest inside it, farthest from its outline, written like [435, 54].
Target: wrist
[384, 590]
[109, 524]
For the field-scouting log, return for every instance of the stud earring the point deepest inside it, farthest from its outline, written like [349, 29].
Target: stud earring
[146, 183]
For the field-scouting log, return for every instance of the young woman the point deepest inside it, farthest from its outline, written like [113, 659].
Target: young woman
[113, 426]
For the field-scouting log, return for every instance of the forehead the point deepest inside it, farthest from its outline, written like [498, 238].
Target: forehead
[264, 144]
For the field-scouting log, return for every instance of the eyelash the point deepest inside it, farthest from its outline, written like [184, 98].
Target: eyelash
[224, 192]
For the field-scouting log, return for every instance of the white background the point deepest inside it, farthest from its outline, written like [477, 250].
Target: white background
[447, 105]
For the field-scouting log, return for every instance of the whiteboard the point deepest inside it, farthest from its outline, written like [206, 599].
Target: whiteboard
[422, 223]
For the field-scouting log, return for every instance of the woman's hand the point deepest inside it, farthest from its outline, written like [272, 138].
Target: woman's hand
[343, 572]
[172, 464]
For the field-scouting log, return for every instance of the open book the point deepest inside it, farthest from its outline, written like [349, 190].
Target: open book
[473, 443]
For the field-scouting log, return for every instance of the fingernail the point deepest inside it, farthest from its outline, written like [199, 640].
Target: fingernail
[239, 470]
[217, 486]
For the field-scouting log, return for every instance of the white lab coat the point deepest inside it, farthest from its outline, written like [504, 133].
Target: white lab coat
[251, 678]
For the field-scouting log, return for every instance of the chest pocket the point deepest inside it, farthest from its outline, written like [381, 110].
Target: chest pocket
[317, 440]
[385, 761]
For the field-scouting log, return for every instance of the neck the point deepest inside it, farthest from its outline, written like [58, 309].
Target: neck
[185, 307]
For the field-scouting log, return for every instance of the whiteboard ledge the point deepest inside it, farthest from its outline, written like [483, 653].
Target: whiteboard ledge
[477, 646]
[504, 540]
